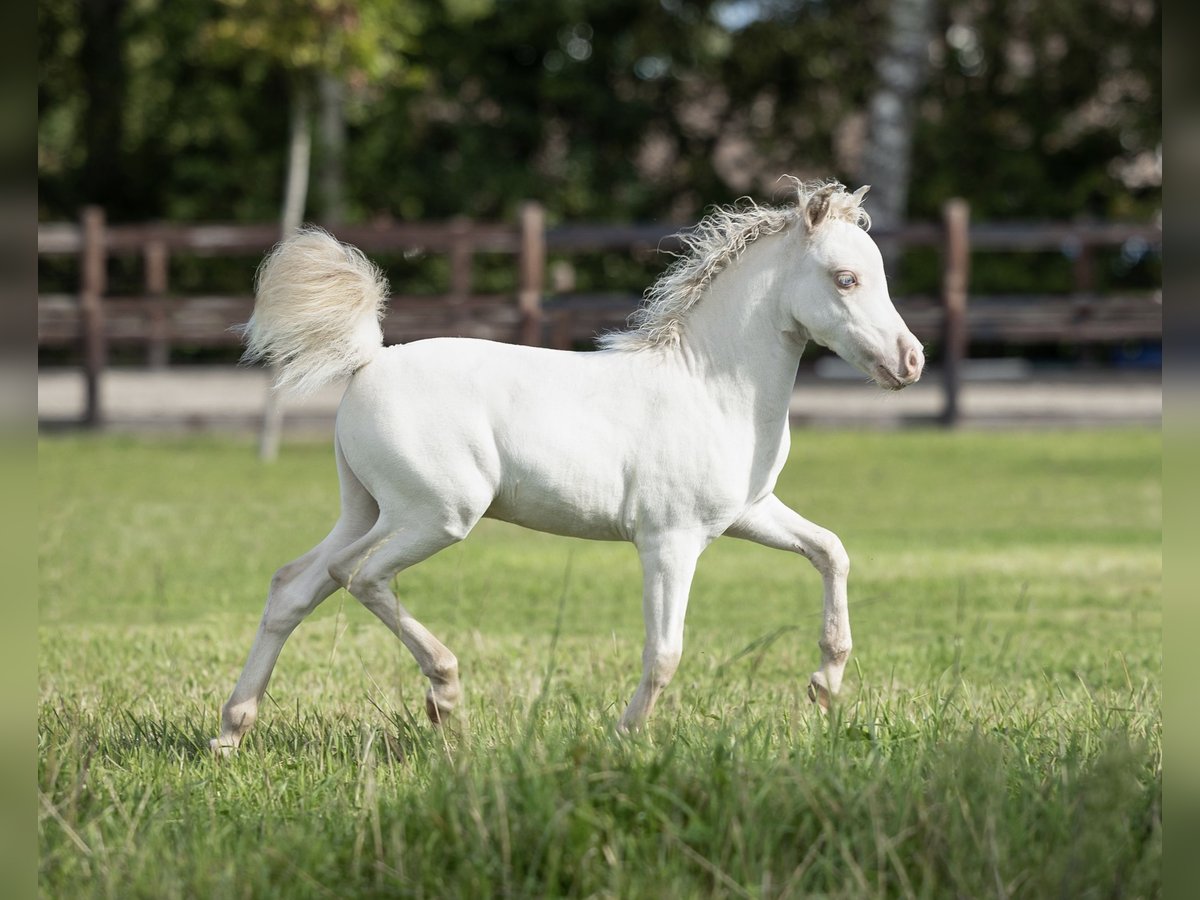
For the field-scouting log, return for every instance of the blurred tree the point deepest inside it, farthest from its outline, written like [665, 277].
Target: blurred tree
[1034, 110]
[600, 108]
[314, 42]
[620, 109]
[102, 64]
[332, 130]
[60, 98]
[197, 134]
[903, 63]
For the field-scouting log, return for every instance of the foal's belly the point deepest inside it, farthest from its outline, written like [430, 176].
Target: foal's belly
[620, 497]
[582, 507]
[553, 521]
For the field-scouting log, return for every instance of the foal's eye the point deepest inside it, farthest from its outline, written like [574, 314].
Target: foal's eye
[845, 279]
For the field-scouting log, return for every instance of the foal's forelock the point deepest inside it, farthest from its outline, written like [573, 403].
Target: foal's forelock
[713, 245]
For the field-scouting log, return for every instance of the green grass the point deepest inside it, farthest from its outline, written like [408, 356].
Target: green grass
[999, 733]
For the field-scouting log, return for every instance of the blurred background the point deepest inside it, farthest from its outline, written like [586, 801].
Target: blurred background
[518, 167]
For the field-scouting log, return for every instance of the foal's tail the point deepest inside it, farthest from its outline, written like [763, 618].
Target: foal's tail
[317, 308]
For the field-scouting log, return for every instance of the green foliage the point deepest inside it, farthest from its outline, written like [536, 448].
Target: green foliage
[607, 109]
[1034, 107]
[364, 40]
[1000, 731]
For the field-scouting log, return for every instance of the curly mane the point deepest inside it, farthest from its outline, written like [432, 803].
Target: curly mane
[712, 246]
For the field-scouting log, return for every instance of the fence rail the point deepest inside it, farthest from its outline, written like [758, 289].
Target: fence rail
[93, 320]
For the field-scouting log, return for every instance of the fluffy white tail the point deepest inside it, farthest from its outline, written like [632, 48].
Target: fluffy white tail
[317, 308]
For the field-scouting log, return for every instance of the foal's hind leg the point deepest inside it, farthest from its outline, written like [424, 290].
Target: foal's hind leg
[366, 569]
[296, 590]
[771, 523]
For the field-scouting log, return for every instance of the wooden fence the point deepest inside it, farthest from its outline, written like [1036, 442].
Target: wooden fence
[155, 319]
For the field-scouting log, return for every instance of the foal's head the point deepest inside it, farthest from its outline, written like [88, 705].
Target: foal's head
[838, 292]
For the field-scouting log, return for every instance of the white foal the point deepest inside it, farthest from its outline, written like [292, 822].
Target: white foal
[669, 436]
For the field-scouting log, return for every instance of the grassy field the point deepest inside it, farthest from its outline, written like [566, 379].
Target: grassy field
[999, 732]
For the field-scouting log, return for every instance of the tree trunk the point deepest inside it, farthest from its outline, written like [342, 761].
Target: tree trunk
[102, 59]
[331, 174]
[295, 196]
[901, 72]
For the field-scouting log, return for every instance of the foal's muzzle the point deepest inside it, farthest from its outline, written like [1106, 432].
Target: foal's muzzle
[909, 365]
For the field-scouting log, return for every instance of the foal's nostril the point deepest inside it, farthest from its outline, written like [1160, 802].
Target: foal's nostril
[912, 361]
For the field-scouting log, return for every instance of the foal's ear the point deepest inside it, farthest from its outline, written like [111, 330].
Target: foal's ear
[817, 207]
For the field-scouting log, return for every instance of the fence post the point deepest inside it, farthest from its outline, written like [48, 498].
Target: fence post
[956, 262]
[93, 276]
[1083, 270]
[158, 349]
[531, 275]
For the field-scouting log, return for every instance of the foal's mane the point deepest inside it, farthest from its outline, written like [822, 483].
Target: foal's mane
[712, 245]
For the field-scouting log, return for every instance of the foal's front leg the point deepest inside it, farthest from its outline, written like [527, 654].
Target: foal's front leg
[668, 564]
[771, 523]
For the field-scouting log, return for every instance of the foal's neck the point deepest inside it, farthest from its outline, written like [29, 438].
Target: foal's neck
[739, 337]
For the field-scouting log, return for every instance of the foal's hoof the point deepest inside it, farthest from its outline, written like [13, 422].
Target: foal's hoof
[819, 694]
[221, 748]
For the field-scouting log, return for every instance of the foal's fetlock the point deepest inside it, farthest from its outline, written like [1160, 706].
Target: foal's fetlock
[236, 720]
[819, 692]
[443, 695]
[438, 714]
[826, 683]
[440, 701]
